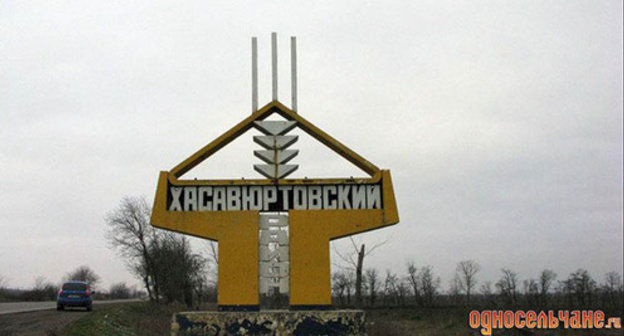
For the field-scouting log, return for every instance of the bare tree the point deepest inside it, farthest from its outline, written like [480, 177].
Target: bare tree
[83, 273]
[613, 282]
[339, 285]
[486, 288]
[358, 274]
[131, 234]
[372, 281]
[212, 280]
[455, 288]
[413, 277]
[613, 289]
[508, 286]
[402, 289]
[466, 271]
[546, 279]
[429, 285]
[531, 292]
[201, 288]
[342, 282]
[214, 252]
[354, 258]
[213, 258]
[579, 288]
[391, 290]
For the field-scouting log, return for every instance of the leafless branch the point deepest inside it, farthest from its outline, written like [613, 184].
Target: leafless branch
[370, 250]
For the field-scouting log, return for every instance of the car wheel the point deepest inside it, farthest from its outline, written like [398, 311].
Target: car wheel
[89, 308]
[59, 307]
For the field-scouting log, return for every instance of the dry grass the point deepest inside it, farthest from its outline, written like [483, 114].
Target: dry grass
[145, 319]
[418, 322]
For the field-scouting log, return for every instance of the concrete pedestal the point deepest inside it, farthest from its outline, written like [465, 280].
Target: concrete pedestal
[270, 322]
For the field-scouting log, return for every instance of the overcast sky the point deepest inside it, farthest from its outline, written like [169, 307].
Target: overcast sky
[501, 121]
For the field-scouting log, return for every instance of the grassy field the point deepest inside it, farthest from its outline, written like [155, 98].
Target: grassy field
[401, 321]
[145, 319]
[149, 319]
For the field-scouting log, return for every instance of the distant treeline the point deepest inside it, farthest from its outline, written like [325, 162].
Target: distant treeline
[44, 290]
[420, 287]
[46, 293]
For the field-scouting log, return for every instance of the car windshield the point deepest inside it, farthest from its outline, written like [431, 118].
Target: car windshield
[75, 286]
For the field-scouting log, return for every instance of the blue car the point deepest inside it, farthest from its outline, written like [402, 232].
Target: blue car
[74, 294]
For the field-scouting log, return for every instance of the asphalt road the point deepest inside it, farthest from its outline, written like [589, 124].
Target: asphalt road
[22, 307]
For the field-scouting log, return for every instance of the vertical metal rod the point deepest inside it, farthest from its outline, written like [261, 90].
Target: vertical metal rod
[293, 72]
[254, 75]
[274, 63]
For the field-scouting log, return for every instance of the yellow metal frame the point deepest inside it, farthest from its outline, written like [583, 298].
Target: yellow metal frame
[245, 125]
[310, 230]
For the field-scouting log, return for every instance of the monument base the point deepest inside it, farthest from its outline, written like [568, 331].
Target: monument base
[270, 322]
